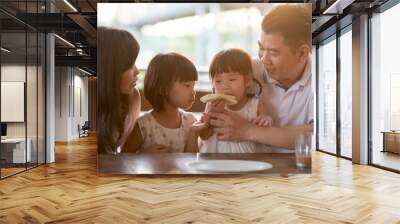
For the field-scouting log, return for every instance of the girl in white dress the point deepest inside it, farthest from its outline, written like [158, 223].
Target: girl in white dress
[169, 88]
[231, 74]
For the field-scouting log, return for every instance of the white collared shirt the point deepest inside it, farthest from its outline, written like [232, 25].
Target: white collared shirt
[292, 107]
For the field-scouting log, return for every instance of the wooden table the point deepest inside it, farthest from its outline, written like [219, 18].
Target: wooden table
[175, 163]
[391, 141]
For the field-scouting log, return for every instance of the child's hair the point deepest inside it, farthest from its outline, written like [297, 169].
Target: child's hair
[232, 60]
[162, 72]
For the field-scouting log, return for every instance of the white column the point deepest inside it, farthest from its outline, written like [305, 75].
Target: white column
[50, 100]
[360, 90]
[201, 39]
[50, 92]
[213, 38]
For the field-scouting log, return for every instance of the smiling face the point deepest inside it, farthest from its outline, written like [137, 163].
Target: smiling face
[182, 94]
[280, 62]
[231, 83]
[128, 80]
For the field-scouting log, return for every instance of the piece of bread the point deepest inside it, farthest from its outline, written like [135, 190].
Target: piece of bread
[229, 100]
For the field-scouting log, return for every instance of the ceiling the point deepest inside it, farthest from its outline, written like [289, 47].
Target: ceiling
[76, 22]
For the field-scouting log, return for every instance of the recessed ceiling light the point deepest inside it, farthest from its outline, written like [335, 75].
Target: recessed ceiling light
[337, 7]
[71, 6]
[5, 50]
[64, 40]
[86, 72]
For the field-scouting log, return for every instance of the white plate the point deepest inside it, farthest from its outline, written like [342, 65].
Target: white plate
[229, 165]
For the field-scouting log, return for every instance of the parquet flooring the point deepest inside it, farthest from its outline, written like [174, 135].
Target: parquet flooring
[10, 171]
[70, 191]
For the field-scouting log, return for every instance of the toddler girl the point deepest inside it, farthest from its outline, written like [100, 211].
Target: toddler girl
[231, 74]
[169, 87]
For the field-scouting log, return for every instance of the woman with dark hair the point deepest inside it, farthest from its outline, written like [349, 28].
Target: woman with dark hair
[118, 99]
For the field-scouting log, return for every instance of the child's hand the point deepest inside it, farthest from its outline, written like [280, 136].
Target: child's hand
[158, 148]
[203, 124]
[205, 118]
[262, 120]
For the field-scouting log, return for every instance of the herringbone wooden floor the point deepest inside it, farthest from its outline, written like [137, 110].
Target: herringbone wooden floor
[70, 191]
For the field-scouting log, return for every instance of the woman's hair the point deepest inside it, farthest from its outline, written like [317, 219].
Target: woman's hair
[117, 51]
[162, 72]
[233, 60]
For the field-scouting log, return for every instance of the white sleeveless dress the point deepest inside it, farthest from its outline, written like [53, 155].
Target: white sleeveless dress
[213, 145]
[154, 133]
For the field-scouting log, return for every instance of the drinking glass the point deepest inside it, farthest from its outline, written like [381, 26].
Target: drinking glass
[303, 144]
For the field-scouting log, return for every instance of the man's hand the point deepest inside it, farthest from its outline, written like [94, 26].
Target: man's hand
[262, 120]
[230, 126]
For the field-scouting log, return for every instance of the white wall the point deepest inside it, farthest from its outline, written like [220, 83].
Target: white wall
[71, 93]
[61, 103]
[12, 73]
[33, 127]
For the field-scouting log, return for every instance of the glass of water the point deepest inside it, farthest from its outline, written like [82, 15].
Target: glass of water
[303, 144]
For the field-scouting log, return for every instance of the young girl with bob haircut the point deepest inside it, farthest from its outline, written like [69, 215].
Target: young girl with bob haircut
[169, 87]
[231, 74]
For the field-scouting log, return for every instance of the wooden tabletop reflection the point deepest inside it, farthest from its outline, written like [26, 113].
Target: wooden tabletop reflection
[176, 163]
